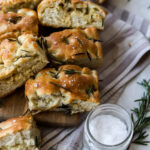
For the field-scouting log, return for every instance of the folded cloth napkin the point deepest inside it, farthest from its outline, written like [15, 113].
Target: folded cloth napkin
[126, 49]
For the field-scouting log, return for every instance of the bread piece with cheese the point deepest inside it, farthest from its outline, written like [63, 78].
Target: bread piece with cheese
[19, 134]
[20, 58]
[75, 46]
[70, 88]
[14, 5]
[71, 14]
[15, 24]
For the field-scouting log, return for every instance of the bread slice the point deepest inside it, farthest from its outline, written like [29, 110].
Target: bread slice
[20, 58]
[19, 134]
[71, 14]
[15, 24]
[14, 5]
[70, 88]
[75, 46]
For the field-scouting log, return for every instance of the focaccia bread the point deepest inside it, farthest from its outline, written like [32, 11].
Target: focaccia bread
[14, 5]
[15, 24]
[70, 88]
[19, 134]
[20, 58]
[75, 46]
[71, 14]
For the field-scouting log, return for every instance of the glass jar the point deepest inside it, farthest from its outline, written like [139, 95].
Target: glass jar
[90, 143]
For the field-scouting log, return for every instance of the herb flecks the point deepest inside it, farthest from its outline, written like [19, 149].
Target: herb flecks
[65, 39]
[37, 142]
[76, 54]
[27, 56]
[71, 71]
[42, 43]
[91, 90]
[141, 115]
[80, 42]
[14, 20]
[54, 75]
[89, 56]
[15, 40]
[59, 86]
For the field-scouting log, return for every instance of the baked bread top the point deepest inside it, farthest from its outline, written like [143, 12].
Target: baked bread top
[75, 46]
[15, 53]
[15, 24]
[71, 14]
[67, 85]
[14, 5]
[14, 125]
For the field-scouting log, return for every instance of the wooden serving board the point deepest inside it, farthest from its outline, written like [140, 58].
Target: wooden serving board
[14, 105]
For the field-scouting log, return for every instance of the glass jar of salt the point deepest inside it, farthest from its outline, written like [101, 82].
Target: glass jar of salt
[108, 127]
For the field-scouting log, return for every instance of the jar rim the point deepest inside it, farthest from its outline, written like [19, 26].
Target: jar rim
[99, 143]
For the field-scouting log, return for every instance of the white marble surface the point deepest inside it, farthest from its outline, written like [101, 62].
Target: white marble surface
[139, 7]
[132, 90]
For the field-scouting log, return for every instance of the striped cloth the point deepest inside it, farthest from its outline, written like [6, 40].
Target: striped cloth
[126, 49]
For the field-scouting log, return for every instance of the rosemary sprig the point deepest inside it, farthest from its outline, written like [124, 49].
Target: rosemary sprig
[141, 115]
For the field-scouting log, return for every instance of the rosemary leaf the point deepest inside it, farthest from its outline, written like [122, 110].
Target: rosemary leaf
[70, 71]
[27, 56]
[24, 50]
[54, 75]
[14, 20]
[80, 42]
[79, 54]
[37, 141]
[65, 39]
[89, 56]
[59, 86]
[91, 90]
[15, 40]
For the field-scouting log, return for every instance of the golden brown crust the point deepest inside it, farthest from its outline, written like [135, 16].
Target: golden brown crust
[15, 125]
[20, 58]
[75, 46]
[15, 24]
[71, 13]
[70, 81]
[14, 5]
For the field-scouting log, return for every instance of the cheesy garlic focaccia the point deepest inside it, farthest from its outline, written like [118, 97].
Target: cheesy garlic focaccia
[15, 24]
[75, 46]
[70, 88]
[71, 14]
[19, 134]
[20, 58]
[14, 5]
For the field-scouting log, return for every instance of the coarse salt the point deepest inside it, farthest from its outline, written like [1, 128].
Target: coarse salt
[108, 129]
